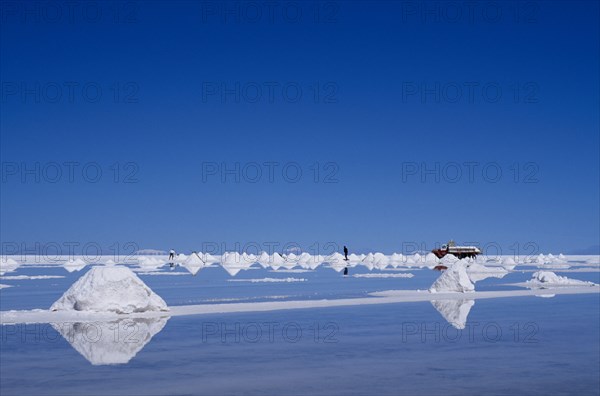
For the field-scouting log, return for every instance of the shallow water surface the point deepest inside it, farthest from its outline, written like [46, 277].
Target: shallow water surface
[518, 345]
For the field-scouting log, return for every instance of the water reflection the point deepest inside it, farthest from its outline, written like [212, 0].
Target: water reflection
[106, 343]
[454, 311]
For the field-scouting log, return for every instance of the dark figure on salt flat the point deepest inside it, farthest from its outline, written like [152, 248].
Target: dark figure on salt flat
[346, 253]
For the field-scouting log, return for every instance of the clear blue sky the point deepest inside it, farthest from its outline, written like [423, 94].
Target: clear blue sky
[377, 123]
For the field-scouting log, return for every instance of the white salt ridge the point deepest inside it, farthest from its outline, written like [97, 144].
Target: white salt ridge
[454, 279]
[212, 300]
[157, 273]
[454, 311]
[383, 297]
[5, 286]
[269, 280]
[110, 289]
[32, 277]
[383, 275]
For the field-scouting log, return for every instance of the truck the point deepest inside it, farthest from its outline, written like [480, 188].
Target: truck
[457, 251]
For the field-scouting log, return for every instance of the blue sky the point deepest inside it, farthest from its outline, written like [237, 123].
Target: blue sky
[407, 112]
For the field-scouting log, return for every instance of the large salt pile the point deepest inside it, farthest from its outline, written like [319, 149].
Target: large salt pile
[454, 279]
[110, 289]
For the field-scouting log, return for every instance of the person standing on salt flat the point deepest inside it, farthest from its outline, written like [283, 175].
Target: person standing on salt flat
[171, 254]
[346, 253]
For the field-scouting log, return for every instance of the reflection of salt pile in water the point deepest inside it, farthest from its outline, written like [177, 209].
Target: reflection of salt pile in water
[8, 265]
[235, 262]
[290, 261]
[380, 261]
[193, 264]
[74, 265]
[454, 279]
[478, 272]
[353, 259]
[368, 260]
[313, 262]
[545, 279]
[454, 311]
[110, 289]
[305, 261]
[117, 342]
[264, 260]
[337, 262]
[276, 261]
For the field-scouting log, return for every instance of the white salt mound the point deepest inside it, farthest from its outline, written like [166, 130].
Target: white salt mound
[110, 289]
[7, 265]
[546, 278]
[478, 272]
[454, 279]
[448, 260]
[150, 263]
[508, 261]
